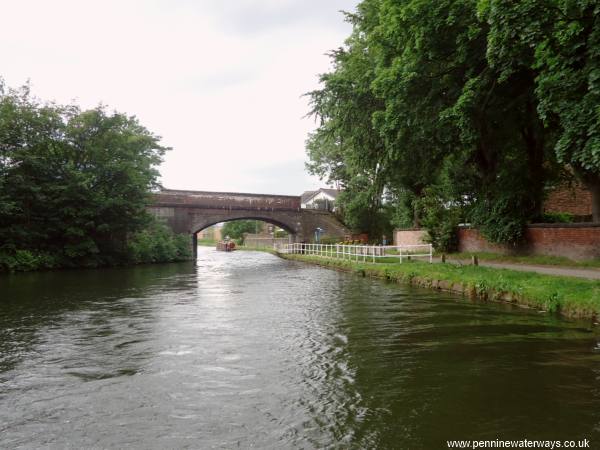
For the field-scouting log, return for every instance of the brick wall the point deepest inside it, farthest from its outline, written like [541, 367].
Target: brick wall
[409, 237]
[470, 240]
[575, 241]
[574, 199]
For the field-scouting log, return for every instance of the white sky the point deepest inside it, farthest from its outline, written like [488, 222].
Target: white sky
[220, 80]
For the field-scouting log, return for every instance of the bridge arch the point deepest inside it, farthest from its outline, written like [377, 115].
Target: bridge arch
[205, 223]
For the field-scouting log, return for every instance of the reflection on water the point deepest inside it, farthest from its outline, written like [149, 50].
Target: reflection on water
[249, 350]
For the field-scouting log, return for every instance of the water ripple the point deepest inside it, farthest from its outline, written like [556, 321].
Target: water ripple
[247, 350]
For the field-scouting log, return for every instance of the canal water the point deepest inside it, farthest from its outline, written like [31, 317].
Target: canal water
[246, 350]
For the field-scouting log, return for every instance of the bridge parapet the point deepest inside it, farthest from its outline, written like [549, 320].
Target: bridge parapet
[226, 200]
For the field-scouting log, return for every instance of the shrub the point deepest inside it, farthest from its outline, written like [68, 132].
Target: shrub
[157, 243]
[328, 240]
[440, 219]
[25, 260]
[557, 217]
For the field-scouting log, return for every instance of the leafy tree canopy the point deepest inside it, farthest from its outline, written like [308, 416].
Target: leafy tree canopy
[236, 228]
[73, 183]
[482, 102]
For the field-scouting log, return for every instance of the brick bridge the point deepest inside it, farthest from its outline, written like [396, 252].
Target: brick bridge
[192, 211]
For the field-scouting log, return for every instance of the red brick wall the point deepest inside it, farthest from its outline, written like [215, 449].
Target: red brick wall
[470, 240]
[409, 237]
[575, 200]
[575, 241]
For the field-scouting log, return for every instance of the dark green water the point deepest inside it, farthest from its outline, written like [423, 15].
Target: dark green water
[248, 350]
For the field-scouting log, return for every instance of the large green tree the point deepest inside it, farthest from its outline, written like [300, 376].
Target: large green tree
[236, 229]
[440, 100]
[568, 87]
[73, 184]
[556, 43]
[419, 74]
[346, 149]
[449, 107]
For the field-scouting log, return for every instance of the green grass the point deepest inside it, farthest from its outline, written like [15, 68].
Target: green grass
[535, 260]
[207, 242]
[571, 297]
[256, 249]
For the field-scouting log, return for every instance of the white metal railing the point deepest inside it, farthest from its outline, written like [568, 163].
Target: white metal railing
[364, 253]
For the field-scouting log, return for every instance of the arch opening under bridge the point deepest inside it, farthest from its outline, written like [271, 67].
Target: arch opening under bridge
[206, 223]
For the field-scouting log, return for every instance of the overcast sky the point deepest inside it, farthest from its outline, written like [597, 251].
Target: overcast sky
[220, 80]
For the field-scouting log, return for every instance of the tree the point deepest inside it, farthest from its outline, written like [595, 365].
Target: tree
[346, 148]
[449, 102]
[555, 42]
[568, 87]
[237, 228]
[419, 75]
[438, 96]
[73, 184]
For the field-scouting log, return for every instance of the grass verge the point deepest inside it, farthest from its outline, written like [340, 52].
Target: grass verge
[571, 297]
[257, 249]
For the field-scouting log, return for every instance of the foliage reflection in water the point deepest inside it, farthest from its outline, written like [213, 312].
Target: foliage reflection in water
[249, 350]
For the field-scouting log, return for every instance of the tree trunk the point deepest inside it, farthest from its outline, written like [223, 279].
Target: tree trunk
[416, 217]
[533, 136]
[416, 210]
[595, 191]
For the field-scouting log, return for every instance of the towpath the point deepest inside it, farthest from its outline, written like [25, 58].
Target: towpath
[590, 274]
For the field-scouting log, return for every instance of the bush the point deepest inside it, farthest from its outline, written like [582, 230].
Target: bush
[557, 217]
[329, 240]
[440, 219]
[25, 260]
[157, 243]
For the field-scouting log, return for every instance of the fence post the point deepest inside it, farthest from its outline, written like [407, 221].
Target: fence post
[400, 250]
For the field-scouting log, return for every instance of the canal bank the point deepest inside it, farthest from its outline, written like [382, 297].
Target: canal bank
[570, 297]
